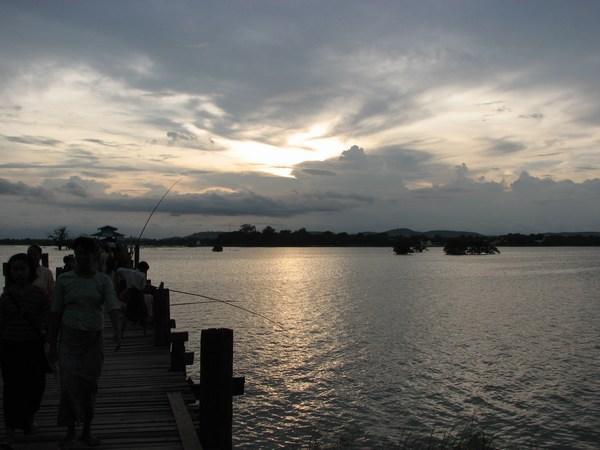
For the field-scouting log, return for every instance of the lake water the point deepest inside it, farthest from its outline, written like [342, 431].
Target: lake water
[377, 346]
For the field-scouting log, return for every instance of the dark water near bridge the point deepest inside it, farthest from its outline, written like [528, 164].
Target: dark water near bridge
[378, 346]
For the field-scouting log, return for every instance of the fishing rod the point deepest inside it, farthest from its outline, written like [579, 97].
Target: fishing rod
[218, 300]
[212, 299]
[156, 207]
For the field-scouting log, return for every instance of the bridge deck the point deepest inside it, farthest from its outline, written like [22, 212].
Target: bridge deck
[133, 409]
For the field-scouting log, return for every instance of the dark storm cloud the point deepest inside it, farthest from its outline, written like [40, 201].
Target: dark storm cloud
[74, 188]
[215, 203]
[311, 69]
[239, 204]
[390, 166]
[274, 68]
[527, 205]
[20, 189]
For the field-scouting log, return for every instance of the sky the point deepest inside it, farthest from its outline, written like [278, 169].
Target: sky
[328, 115]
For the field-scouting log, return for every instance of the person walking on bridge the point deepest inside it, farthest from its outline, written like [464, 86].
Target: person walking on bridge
[23, 311]
[77, 316]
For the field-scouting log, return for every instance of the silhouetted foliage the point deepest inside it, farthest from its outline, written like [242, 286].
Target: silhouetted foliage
[403, 249]
[59, 236]
[301, 237]
[247, 228]
[409, 245]
[247, 235]
[549, 239]
[469, 245]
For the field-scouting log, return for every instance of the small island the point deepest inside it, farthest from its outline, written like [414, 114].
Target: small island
[470, 245]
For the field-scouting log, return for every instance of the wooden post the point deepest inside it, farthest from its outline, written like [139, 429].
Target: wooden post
[136, 256]
[216, 370]
[178, 340]
[5, 271]
[161, 309]
[45, 260]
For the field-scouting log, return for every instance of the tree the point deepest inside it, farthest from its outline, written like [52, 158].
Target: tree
[465, 245]
[268, 231]
[247, 228]
[409, 245]
[402, 248]
[59, 236]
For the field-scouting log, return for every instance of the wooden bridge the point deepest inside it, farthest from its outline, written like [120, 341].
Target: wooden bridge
[144, 400]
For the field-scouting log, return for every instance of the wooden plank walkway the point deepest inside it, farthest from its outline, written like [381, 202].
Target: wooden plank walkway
[133, 410]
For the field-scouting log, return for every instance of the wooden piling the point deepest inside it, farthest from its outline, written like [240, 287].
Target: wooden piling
[161, 310]
[178, 340]
[216, 371]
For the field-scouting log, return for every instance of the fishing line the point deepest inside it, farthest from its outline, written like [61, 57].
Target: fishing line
[218, 300]
[156, 207]
[196, 303]
[213, 299]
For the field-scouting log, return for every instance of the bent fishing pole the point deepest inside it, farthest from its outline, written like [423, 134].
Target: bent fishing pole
[218, 300]
[155, 208]
[212, 299]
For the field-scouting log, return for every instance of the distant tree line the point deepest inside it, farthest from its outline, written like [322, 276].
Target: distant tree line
[548, 240]
[249, 236]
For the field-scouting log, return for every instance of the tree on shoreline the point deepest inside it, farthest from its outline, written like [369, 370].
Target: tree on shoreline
[59, 236]
[409, 245]
[468, 245]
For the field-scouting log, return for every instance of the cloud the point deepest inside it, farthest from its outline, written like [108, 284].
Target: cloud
[505, 147]
[123, 96]
[20, 189]
[462, 201]
[318, 172]
[184, 138]
[536, 116]
[354, 153]
[33, 140]
[101, 142]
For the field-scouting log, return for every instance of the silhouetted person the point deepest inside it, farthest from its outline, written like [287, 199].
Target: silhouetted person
[23, 311]
[44, 278]
[134, 281]
[69, 263]
[77, 315]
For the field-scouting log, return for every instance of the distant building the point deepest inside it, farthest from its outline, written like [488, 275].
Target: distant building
[108, 232]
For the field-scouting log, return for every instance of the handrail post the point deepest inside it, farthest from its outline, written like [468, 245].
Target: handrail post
[162, 317]
[178, 354]
[216, 371]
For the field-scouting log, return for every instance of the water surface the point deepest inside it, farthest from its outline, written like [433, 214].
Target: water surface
[377, 345]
